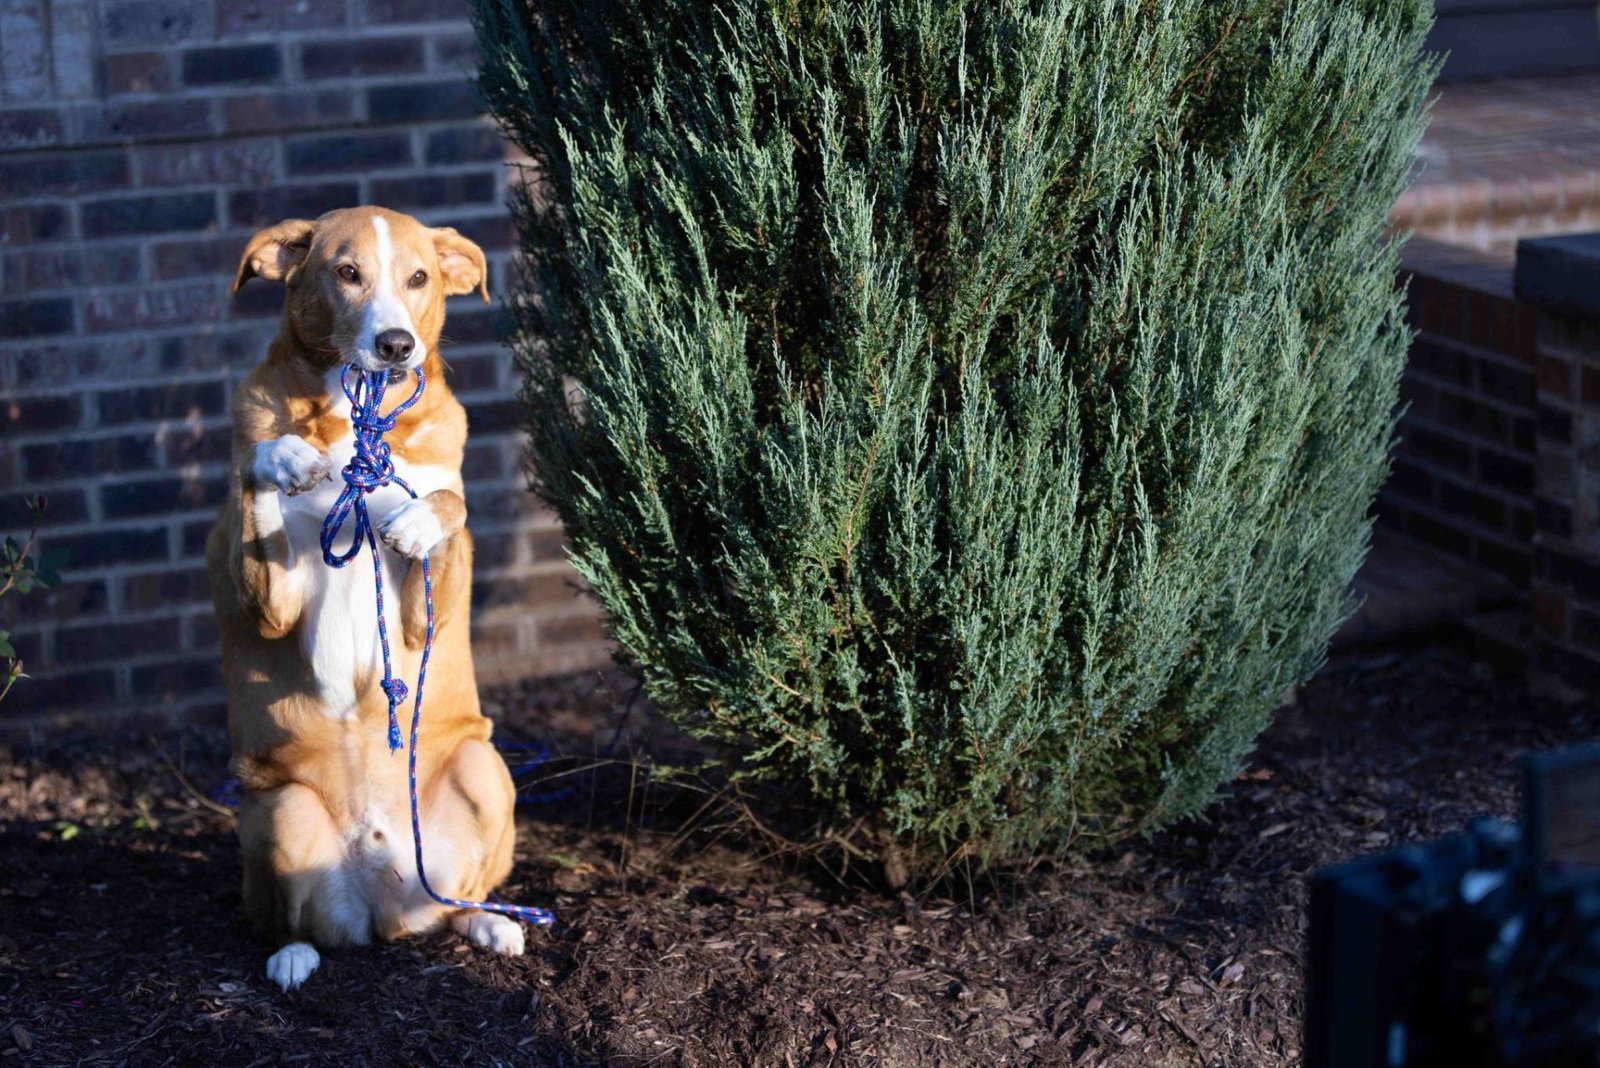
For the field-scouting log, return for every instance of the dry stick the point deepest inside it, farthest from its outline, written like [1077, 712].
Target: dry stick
[183, 780]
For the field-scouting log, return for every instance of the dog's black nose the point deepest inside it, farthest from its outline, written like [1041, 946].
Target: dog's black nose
[394, 346]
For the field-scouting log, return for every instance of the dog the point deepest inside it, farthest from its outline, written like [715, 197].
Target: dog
[324, 820]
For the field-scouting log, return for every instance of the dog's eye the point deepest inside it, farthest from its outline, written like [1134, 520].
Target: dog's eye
[418, 280]
[348, 272]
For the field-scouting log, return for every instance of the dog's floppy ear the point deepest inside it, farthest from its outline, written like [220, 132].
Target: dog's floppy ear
[462, 264]
[276, 252]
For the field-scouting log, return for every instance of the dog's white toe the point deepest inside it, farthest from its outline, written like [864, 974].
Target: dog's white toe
[293, 964]
[491, 931]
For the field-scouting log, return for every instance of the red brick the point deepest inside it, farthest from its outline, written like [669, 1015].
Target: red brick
[1477, 508]
[65, 506]
[147, 22]
[99, 643]
[1515, 562]
[243, 163]
[215, 350]
[30, 128]
[104, 548]
[1549, 612]
[554, 587]
[156, 214]
[73, 599]
[137, 72]
[70, 267]
[362, 56]
[192, 256]
[483, 461]
[232, 65]
[53, 690]
[193, 537]
[176, 400]
[35, 222]
[1552, 518]
[547, 546]
[127, 120]
[161, 496]
[455, 52]
[571, 629]
[388, 11]
[64, 173]
[493, 233]
[466, 144]
[160, 589]
[238, 17]
[1525, 327]
[96, 456]
[453, 99]
[194, 444]
[1484, 315]
[72, 364]
[349, 152]
[118, 311]
[40, 413]
[38, 317]
[201, 632]
[263, 207]
[1554, 374]
[287, 110]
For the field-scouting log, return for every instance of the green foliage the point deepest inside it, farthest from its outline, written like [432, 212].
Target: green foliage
[970, 411]
[20, 574]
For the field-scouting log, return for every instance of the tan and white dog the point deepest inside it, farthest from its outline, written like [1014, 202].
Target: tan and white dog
[325, 820]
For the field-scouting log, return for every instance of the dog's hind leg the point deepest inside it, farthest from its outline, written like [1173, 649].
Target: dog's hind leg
[467, 838]
[480, 783]
[298, 883]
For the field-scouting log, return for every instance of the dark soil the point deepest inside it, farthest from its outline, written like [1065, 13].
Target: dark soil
[121, 938]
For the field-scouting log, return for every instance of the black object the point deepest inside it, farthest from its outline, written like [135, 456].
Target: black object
[1488, 39]
[1479, 950]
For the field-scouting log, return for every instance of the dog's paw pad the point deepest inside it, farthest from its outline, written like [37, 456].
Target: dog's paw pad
[293, 964]
[412, 530]
[499, 933]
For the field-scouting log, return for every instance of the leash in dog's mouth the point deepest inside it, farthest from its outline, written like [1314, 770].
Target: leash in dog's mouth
[371, 469]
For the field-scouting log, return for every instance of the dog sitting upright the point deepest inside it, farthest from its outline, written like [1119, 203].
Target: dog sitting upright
[325, 821]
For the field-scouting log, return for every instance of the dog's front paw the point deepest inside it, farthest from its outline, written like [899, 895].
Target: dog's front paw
[293, 964]
[491, 931]
[289, 463]
[412, 530]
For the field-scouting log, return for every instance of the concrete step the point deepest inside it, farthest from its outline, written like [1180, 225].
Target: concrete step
[1411, 591]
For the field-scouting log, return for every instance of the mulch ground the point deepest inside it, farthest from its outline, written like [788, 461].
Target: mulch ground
[121, 939]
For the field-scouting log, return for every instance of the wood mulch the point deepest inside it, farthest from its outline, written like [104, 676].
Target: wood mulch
[121, 939]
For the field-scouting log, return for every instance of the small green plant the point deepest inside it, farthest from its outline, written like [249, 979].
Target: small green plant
[21, 574]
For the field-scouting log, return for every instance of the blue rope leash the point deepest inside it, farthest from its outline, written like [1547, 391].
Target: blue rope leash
[370, 469]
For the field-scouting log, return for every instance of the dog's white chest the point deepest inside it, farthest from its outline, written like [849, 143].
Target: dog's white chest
[338, 630]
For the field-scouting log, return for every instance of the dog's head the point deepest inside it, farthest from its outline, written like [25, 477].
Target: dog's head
[366, 285]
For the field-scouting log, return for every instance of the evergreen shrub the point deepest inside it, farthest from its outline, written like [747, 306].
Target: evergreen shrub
[968, 410]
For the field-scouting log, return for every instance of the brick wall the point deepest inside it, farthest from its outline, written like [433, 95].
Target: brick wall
[1463, 475]
[1561, 276]
[1499, 462]
[141, 142]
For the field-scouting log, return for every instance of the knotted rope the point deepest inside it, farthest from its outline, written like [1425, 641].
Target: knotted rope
[369, 470]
